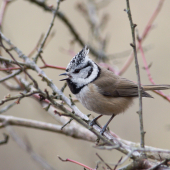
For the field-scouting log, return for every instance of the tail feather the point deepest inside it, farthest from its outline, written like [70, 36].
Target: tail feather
[156, 87]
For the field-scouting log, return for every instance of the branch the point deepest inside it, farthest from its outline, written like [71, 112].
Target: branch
[148, 72]
[138, 74]
[27, 147]
[4, 109]
[75, 131]
[70, 26]
[22, 68]
[19, 97]
[78, 163]
[48, 32]
[26, 65]
[145, 33]
[11, 75]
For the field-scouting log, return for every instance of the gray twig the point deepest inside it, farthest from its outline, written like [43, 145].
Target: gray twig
[67, 123]
[11, 75]
[4, 109]
[19, 97]
[70, 26]
[28, 148]
[137, 72]
[48, 32]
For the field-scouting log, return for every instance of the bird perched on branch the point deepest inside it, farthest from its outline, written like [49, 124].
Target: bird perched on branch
[100, 90]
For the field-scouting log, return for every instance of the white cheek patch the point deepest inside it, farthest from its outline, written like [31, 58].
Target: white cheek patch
[82, 81]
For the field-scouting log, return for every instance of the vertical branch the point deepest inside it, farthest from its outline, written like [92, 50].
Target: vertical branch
[137, 72]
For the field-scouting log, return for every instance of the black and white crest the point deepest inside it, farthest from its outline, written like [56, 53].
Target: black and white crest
[78, 58]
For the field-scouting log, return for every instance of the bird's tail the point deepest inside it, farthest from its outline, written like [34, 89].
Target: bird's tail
[156, 87]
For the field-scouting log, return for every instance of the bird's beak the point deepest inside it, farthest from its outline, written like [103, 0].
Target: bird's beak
[64, 74]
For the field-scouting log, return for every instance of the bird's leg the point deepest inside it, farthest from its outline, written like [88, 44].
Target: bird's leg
[105, 126]
[93, 122]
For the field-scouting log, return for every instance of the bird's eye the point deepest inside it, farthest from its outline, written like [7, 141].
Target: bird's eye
[77, 71]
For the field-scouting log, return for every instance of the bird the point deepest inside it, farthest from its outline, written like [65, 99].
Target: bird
[100, 90]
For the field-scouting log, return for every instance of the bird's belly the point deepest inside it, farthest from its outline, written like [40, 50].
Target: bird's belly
[96, 102]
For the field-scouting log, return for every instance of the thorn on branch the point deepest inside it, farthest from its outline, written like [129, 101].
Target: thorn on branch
[60, 114]
[47, 107]
[88, 115]
[18, 101]
[72, 103]
[54, 93]
[134, 25]
[56, 112]
[67, 123]
[6, 138]
[46, 91]
[64, 86]
[132, 45]
[42, 97]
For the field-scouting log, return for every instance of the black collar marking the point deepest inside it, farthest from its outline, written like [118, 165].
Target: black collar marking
[73, 87]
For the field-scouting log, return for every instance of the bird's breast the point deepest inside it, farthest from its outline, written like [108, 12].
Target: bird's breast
[90, 97]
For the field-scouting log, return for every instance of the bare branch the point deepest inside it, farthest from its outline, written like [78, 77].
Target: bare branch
[48, 32]
[70, 26]
[11, 75]
[138, 74]
[145, 33]
[27, 147]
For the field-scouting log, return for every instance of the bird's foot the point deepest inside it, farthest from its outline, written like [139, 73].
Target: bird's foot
[93, 122]
[103, 130]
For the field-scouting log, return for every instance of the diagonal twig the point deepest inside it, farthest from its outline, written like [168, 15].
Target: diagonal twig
[48, 32]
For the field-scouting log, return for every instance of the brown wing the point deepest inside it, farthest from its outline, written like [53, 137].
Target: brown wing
[112, 85]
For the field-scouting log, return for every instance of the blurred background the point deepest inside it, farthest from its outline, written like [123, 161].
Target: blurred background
[24, 23]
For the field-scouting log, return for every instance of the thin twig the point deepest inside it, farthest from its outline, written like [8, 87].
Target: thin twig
[70, 26]
[148, 72]
[137, 72]
[66, 123]
[26, 65]
[108, 167]
[145, 33]
[48, 32]
[164, 162]
[78, 163]
[11, 75]
[19, 97]
[4, 109]
[22, 68]
[2, 10]
[27, 147]
[36, 47]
